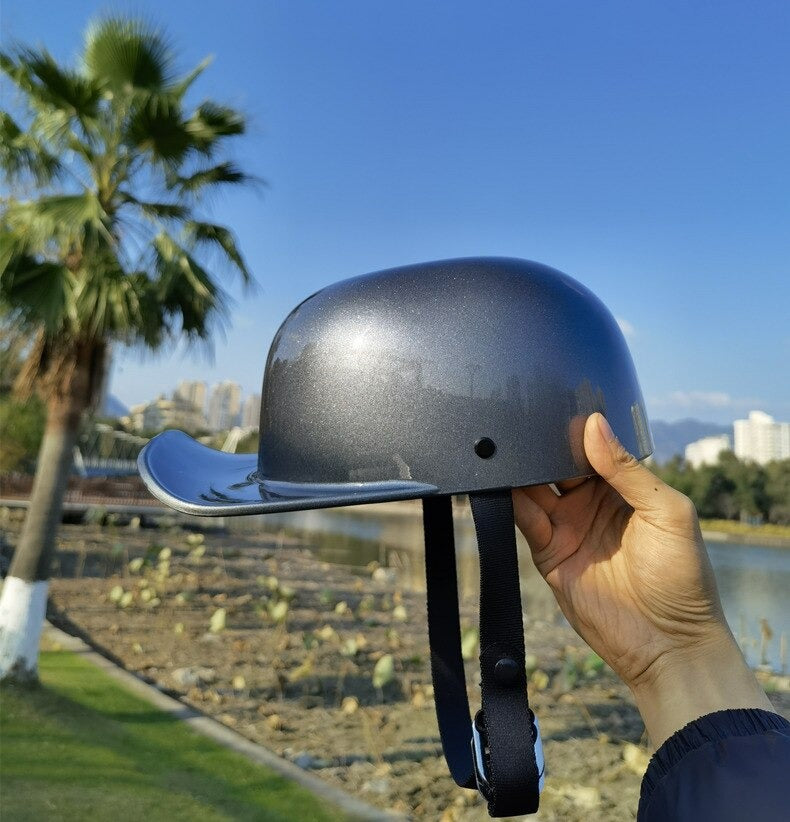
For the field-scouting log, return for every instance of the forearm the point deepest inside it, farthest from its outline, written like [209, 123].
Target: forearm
[691, 682]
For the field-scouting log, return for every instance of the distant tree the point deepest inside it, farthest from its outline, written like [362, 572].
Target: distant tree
[21, 432]
[713, 493]
[677, 473]
[101, 243]
[749, 480]
[733, 488]
[777, 489]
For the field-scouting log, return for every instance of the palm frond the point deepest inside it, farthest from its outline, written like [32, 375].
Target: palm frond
[21, 153]
[187, 292]
[226, 173]
[37, 291]
[107, 302]
[159, 211]
[127, 54]
[66, 220]
[156, 126]
[49, 85]
[180, 87]
[210, 123]
[219, 237]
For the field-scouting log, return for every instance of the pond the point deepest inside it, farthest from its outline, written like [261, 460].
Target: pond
[754, 581]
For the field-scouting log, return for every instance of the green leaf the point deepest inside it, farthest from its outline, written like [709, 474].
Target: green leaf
[217, 623]
[153, 210]
[210, 123]
[384, 671]
[469, 640]
[127, 54]
[185, 289]
[156, 126]
[219, 237]
[180, 87]
[21, 153]
[70, 221]
[38, 290]
[47, 84]
[221, 174]
[278, 611]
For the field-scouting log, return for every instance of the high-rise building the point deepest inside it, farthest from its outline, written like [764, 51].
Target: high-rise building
[761, 438]
[224, 406]
[193, 392]
[163, 413]
[707, 450]
[251, 411]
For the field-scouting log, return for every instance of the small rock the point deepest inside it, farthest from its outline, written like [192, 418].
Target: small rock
[377, 786]
[304, 760]
[194, 676]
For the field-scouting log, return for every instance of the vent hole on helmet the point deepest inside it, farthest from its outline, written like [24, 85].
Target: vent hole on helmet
[485, 447]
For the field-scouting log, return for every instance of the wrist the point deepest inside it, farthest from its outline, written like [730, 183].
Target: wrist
[691, 681]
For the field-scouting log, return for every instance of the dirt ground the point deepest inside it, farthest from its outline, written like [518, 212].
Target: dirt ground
[330, 667]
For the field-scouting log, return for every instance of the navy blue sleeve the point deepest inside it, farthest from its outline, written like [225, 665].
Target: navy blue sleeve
[728, 766]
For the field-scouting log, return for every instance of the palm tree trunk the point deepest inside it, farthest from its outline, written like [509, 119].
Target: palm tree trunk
[24, 596]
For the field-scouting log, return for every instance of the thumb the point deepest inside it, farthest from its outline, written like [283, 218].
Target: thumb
[638, 486]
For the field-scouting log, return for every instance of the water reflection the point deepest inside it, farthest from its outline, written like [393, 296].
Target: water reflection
[753, 581]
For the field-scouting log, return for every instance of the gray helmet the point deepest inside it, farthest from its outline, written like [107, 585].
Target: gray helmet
[463, 376]
[442, 378]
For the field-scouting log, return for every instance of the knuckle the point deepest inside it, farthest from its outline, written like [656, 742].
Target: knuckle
[626, 460]
[682, 508]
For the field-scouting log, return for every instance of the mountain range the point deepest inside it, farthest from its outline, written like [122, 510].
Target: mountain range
[113, 407]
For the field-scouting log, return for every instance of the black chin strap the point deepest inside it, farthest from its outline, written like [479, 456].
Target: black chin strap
[510, 775]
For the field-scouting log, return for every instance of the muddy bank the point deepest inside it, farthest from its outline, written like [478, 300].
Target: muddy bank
[330, 668]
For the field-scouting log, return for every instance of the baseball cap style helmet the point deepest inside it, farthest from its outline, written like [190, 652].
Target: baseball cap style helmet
[467, 376]
[442, 378]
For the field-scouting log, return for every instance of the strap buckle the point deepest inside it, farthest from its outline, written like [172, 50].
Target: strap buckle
[481, 753]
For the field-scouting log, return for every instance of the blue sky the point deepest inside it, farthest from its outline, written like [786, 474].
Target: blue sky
[641, 147]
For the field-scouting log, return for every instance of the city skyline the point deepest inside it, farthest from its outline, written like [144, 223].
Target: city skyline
[191, 405]
[640, 149]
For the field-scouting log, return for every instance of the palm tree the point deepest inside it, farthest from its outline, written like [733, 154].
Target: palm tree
[101, 242]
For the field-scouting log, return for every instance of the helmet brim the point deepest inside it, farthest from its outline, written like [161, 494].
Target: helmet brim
[195, 479]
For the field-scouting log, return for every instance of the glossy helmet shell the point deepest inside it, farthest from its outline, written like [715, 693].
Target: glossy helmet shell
[445, 377]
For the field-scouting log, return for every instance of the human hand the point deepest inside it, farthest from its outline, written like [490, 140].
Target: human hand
[624, 556]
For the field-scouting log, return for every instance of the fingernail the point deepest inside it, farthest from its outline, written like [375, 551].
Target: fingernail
[605, 429]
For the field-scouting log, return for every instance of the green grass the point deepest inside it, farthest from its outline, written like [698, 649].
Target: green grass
[78, 746]
[729, 526]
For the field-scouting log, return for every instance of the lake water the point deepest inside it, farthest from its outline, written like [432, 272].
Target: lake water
[754, 581]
